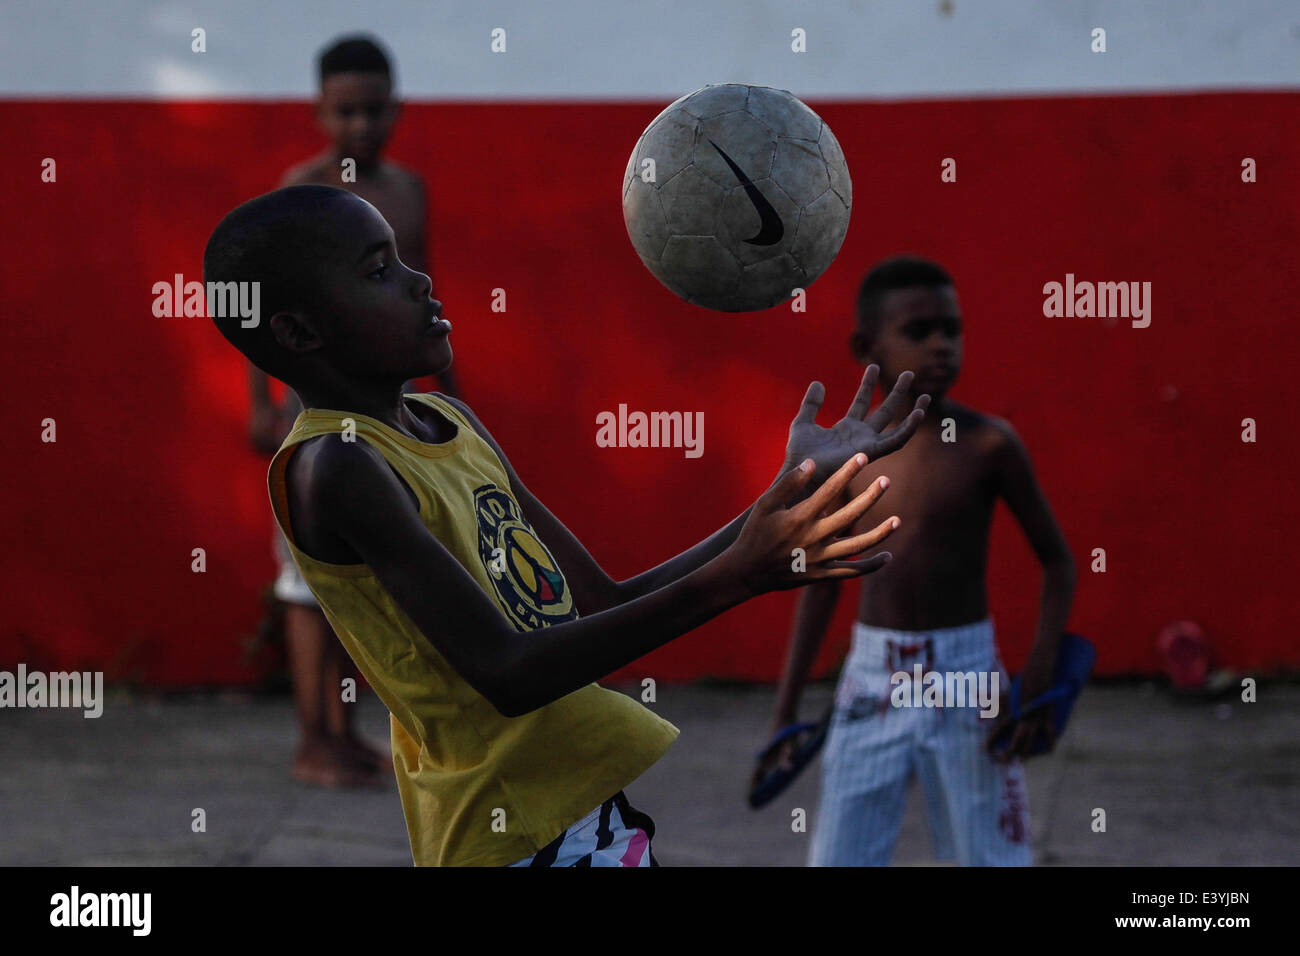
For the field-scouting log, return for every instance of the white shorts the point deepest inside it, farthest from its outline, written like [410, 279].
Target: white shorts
[978, 809]
[289, 586]
[614, 834]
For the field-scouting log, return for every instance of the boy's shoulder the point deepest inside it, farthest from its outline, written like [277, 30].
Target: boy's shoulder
[403, 175]
[989, 434]
[315, 171]
[466, 412]
[330, 460]
[332, 484]
[319, 170]
[459, 403]
[392, 175]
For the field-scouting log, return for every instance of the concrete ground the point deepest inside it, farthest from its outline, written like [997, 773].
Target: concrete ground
[1214, 784]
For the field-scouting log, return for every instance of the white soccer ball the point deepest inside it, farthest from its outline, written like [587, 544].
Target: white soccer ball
[735, 196]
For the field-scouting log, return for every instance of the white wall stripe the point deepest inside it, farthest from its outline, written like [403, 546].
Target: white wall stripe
[614, 50]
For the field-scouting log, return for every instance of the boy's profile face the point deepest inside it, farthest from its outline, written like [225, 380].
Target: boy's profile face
[357, 111]
[920, 329]
[377, 321]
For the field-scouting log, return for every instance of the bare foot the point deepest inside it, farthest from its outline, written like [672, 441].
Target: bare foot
[326, 763]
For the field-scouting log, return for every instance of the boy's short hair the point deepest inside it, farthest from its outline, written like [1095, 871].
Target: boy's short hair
[898, 272]
[354, 54]
[276, 240]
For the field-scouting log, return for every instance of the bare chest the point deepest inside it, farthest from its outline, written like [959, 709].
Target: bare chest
[398, 201]
[401, 206]
[932, 485]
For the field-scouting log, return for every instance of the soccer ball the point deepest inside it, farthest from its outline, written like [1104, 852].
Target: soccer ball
[736, 196]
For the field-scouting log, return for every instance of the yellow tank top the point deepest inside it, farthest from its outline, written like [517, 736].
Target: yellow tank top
[477, 788]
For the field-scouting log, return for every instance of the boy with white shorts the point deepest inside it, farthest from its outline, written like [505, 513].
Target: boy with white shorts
[928, 610]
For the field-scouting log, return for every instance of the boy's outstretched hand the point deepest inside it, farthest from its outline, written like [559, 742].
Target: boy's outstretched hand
[787, 542]
[856, 432]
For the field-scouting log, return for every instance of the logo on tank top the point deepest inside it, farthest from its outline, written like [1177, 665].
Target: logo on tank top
[526, 576]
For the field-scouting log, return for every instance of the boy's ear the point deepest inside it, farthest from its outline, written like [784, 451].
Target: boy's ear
[295, 332]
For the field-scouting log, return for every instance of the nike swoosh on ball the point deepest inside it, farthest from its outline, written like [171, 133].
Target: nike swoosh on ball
[771, 229]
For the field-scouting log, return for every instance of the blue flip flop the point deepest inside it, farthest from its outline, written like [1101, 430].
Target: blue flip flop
[1074, 660]
[765, 787]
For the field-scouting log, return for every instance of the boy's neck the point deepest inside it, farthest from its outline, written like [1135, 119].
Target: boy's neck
[380, 403]
[336, 157]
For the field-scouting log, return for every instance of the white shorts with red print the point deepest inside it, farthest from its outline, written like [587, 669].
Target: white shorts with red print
[977, 808]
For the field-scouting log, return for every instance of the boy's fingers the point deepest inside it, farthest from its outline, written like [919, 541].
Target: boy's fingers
[862, 401]
[812, 403]
[896, 438]
[786, 487]
[893, 405]
[833, 485]
[1000, 724]
[843, 519]
[847, 546]
[1000, 755]
[854, 569]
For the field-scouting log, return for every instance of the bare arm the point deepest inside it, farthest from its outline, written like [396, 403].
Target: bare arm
[593, 589]
[351, 494]
[857, 432]
[860, 431]
[1019, 487]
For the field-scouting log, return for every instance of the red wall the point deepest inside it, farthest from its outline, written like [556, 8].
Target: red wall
[151, 459]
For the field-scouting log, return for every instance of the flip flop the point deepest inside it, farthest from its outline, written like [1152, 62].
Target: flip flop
[764, 787]
[1074, 662]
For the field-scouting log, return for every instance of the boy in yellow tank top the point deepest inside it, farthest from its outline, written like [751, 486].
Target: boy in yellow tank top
[432, 559]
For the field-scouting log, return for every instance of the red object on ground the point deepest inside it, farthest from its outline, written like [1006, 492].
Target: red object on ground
[1186, 653]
